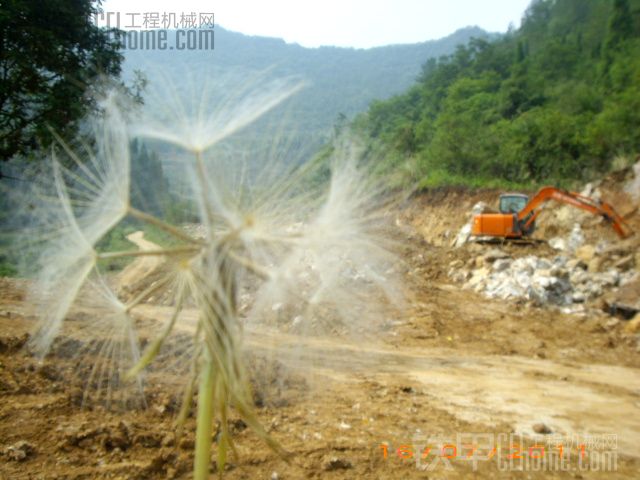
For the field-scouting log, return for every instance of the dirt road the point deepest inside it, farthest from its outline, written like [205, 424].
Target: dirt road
[142, 266]
[456, 364]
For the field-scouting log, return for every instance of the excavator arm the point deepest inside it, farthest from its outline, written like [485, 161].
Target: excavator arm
[528, 214]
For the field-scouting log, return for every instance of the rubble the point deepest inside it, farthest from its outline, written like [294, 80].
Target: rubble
[560, 281]
[558, 243]
[464, 235]
[576, 238]
[573, 243]
[580, 272]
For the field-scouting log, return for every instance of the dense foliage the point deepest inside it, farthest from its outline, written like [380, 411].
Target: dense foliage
[50, 53]
[557, 99]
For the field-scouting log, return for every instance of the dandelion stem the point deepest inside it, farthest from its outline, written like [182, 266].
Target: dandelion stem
[154, 348]
[134, 212]
[204, 422]
[202, 180]
[250, 265]
[187, 396]
[142, 253]
[145, 293]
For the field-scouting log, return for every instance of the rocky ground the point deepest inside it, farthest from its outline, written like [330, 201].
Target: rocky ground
[503, 349]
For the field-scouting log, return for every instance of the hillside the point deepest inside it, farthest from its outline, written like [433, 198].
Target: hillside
[339, 80]
[557, 100]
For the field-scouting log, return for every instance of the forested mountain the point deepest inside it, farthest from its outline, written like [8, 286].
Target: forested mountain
[339, 80]
[557, 99]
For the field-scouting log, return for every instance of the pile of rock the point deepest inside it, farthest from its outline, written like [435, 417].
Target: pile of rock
[464, 235]
[559, 281]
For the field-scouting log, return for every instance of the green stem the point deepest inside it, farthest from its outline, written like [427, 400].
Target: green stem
[204, 426]
[146, 292]
[176, 232]
[202, 180]
[155, 346]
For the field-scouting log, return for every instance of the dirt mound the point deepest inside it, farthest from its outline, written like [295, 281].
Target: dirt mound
[438, 215]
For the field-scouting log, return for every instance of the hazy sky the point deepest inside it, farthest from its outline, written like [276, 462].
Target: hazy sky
[345, 23]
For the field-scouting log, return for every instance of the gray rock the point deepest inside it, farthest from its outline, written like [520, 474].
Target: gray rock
[544, 281]
[522, 265]
[576, 263]
[558, 243]
[543, 264]
[576, 238]
[560, 272]
[501, 265]
[594, 290]
[463, 236]
[481, 207]
[336, 463]
[541, 428]
[494, 254]
[578, 297]
[625, 263]
[579, 277]
[561, 261]
[503, 286]
[537, 295]
[610, 278]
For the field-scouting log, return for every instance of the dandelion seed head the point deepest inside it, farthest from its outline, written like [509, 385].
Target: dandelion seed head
[285, 250]
[89, 195]
[325, 258]
[209, 106]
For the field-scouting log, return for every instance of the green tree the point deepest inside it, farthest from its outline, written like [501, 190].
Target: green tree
[620, 24]
[553, 101]
[50, 53]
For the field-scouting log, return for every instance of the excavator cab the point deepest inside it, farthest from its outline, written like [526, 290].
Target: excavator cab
[505, 223]
[513, 202]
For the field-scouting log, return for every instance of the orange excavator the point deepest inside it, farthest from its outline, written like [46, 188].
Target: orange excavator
[517, 216]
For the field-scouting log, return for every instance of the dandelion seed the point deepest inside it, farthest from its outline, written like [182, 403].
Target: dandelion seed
[213, 107]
